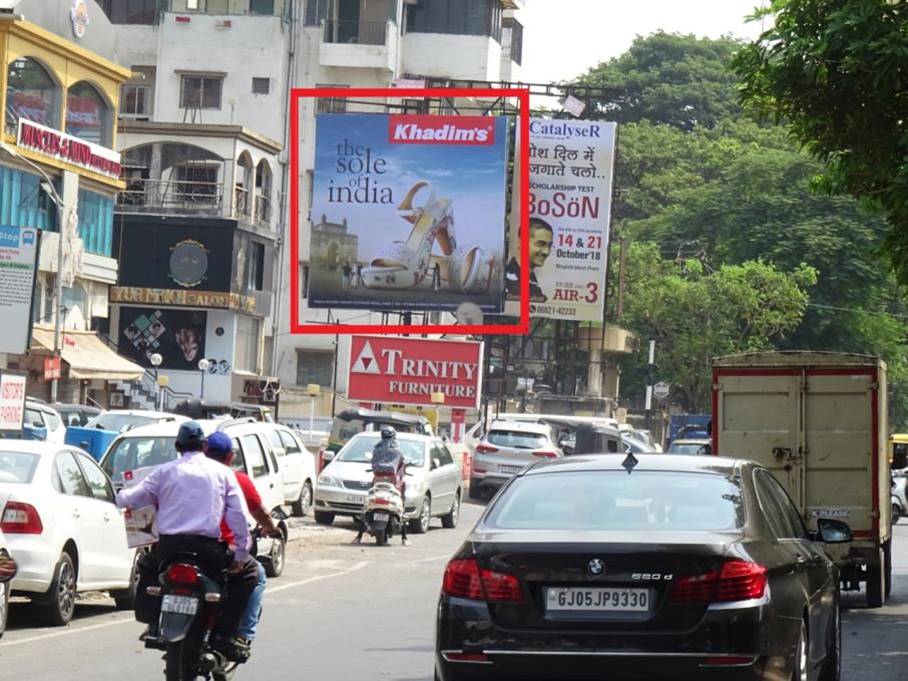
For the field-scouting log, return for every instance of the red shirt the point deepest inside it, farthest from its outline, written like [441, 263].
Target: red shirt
[253, 500]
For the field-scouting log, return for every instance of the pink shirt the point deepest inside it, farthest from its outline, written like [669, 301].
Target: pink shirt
[192, 495]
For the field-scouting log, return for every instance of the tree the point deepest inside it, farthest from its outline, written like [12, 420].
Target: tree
[836, 71]
[695, 315]
[676, 80]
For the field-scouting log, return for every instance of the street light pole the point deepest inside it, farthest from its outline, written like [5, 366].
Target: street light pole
[204, 365]
[51, 191]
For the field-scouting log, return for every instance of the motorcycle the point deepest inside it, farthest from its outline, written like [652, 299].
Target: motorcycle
[383, 510]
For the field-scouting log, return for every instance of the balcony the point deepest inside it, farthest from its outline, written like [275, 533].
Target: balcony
[170, 196]
[358, 44]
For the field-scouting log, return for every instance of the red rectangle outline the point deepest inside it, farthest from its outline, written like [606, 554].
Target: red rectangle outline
[519, 329]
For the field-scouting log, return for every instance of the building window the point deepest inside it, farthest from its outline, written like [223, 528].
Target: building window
[201, 92]
[305, 281]
[246, 356]
[95, 212]
[32, 94]
[22, 201]
[261, 86]
[313, 366]
[512, 39]
[459, 17]
[255, 267]
[331, 105]
[265, 7]
[88, 116]
[131, 11]
[316, 12]
[134, 101]
[197, 183]
[192, 4]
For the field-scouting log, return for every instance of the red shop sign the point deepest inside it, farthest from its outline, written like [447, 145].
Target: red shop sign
[394, 370]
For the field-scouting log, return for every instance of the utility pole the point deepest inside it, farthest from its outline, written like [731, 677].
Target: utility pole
[649, 384]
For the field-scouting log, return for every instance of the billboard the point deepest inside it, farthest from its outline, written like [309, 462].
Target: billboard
[392, 370]
[408, 212]
[18, 267]
[177, 335]
[571, 171]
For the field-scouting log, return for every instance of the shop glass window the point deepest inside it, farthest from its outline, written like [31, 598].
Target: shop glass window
[32, 95]
[87, 114]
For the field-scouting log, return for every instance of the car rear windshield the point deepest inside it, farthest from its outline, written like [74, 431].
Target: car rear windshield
[359, 450]
[615, 501]
[689, 448]
[516, 439]
[17, 467]
[116, 422]
[129, 453]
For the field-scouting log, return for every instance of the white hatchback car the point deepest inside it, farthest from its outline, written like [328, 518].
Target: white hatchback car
[153, 445]
[40, 415]
[297, 465]
[62, 527]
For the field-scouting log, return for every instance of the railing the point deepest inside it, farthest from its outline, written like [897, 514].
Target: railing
[356, 32]
[190, 195]
[262, 209]
[240, 201]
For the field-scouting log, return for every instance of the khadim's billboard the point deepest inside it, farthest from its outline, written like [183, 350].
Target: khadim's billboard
[571, 175]
[408, 212]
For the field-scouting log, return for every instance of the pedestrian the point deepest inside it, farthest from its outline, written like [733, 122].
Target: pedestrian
[359, 273]
[346, 273]
[436, 277]
[354, 279]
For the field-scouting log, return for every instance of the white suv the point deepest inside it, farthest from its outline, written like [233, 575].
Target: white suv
[506, 449]
[153, 445]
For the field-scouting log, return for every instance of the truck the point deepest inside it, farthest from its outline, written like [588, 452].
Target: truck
[818, 422]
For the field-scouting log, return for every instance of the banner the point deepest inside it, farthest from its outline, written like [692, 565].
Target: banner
[408, 212]
[571, 170]
[392, 370]
[18, 266]
[12, 400]
[177, 335]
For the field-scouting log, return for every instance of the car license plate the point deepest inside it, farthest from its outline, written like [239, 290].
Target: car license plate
[380, 516]
[513, 470]
[558, 599]
[184, 605]
[353, 499]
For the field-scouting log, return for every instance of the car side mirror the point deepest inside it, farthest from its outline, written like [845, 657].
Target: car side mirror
[833, 531]
[436, 463]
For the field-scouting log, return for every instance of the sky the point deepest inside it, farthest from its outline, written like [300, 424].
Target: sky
[564, 38]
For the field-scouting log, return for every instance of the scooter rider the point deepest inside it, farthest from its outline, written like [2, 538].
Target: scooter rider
[192, 494]
[387, 456]
[219, 447]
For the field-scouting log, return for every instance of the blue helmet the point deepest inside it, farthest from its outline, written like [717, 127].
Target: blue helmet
[190, 437]
[218, 443]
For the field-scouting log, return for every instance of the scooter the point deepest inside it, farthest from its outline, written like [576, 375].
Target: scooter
[383, 510]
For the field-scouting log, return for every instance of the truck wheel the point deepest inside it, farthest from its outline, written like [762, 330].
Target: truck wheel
[887, 563]
[876, 581]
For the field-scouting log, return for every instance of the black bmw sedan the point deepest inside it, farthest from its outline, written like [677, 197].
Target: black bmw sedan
[667, 567]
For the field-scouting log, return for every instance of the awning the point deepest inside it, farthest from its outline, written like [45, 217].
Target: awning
[88, 356]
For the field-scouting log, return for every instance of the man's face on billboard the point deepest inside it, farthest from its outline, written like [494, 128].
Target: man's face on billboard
[188, 340]
[540, 246]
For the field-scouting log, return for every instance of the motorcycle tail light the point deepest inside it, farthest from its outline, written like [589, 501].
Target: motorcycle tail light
[182, 574]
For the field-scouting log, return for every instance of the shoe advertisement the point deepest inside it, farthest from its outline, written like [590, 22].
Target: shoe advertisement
[571, 171]
[408, 212]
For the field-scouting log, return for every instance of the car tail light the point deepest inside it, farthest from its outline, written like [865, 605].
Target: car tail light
[465, 579]
[20, 518]
[182, 574]
[546, 454]
[483, 448]
[737, 580]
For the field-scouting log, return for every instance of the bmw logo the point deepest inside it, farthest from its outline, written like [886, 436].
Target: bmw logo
[596, 567]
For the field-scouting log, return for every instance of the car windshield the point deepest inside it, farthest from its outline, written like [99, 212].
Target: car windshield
[668, 501]
[116, 422]
[516, 439]
[129, 453]
[17, 467]
[689, 448]
[359, 450]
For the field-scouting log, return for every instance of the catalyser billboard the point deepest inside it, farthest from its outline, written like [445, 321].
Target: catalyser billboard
[571, 174]
[408, 212]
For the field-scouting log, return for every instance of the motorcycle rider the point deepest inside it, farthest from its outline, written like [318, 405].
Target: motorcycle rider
[219, 446]
[192, 494]
[386, 456]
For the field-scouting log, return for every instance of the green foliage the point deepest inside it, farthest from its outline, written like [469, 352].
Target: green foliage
[695, 314]
[836, 72]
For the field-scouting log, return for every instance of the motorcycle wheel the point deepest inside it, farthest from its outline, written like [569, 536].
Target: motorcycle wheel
[382, 537]
[178, 662]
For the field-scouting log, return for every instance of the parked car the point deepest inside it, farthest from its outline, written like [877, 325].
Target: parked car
[62, 528]
[297, 468]
[152, 445]
[39, 415]
[352, 421]
[95, 436]
[691, 446]
[683, 567]
[76, 414]
[8, 569]
[507, 448]
[433, 481]
[196, 408]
